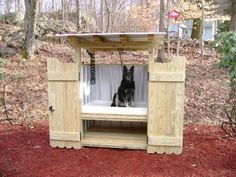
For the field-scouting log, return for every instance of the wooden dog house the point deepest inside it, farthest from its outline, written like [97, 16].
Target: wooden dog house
[76, 120]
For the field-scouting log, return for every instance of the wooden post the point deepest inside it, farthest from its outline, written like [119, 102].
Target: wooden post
[202, 27]
[77, 59]
[168, 34]
[178, 42]
[150, 55]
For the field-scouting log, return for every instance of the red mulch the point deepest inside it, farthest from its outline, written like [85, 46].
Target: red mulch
[26, 153]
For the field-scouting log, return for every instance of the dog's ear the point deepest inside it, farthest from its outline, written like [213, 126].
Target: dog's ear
[125, 70]
[132, 69]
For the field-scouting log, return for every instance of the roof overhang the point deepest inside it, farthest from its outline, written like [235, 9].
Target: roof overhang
[114, 41]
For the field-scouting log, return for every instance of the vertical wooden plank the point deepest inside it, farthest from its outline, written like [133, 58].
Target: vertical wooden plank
[77, 58]
[150, 57]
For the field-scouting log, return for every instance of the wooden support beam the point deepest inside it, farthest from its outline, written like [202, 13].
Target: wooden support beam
[124, 38]
[81, 40]
[98, 39]
[137, 45]
[104, 44]
[115, 49]
[150, 37]
[114, 117]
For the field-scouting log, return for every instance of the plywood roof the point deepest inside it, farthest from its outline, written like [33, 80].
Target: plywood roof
[132, 41]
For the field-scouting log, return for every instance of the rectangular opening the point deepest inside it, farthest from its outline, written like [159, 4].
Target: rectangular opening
[126, 135]
[97, 98]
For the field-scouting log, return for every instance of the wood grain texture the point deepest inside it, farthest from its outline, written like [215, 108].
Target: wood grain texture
[65, 136]
[167, 76]
[63, 96]
[165, 110]
[165, 141]
[166, 106]
[115, 138]
[113, 45]
[114, 117]
[63, 76]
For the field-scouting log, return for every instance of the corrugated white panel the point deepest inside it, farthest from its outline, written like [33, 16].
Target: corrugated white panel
[108, 78]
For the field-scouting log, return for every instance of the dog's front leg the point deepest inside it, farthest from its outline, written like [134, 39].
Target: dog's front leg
[132, 101]
[132, 104]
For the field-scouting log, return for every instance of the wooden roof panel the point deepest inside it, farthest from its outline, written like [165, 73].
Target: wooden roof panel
[142, 40]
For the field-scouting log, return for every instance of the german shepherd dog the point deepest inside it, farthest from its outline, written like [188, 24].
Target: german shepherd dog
[125, 95]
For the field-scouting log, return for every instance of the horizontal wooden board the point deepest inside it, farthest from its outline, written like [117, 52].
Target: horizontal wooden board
[63, 76]
[75, 42]
[129, 34]
[167, 76]
[114, 117]
[116, 138]
[159, 46]
[165, 141]
[106, 64]
[116, 37]
[64, 136]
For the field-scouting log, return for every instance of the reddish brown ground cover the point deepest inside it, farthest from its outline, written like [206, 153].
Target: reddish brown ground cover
[26, 153]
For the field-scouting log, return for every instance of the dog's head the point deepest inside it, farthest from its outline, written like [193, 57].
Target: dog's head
[128, 74]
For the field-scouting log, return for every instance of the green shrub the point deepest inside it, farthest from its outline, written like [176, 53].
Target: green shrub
[225, 45]
[224, 26]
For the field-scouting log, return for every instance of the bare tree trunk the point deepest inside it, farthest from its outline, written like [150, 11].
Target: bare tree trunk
[78, 14]
[202, 27]
[108, 15]
[95, 13]
[113, 15]
[168, 25]
[69, 6]
[141, 2]
[66, 9]
[40, 6]
[31, 7]
[232, 26]
[178, 40]
[63, 9]
[18, 5]
[160, 56]
[91, 8]
[8, 5]
[101, 15]
[129, 15]
[162, 16]
[196, 30]
[53, 6]
[86, 6]
[147, 3]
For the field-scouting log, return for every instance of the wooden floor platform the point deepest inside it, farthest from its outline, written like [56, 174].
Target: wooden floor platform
[115, 138]
[114, 117]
